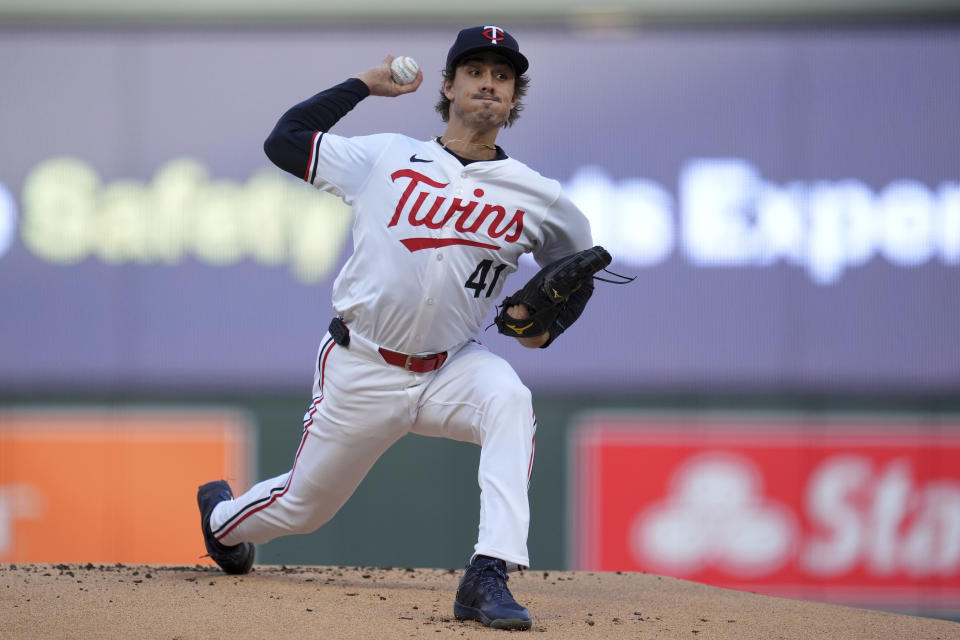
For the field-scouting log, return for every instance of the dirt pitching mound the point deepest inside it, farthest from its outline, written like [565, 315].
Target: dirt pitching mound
[180, 603]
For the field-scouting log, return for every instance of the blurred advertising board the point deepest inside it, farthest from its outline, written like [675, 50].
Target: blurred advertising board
[788, 198]
[107, 485]
[853, 510]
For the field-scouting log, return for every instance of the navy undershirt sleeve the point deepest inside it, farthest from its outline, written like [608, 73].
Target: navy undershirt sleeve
[289, 144]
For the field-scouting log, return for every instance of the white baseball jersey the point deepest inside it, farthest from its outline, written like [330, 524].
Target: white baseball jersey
[433, 243]
[433, 239]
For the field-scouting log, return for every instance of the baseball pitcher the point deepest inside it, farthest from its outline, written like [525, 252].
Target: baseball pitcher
[439, 226]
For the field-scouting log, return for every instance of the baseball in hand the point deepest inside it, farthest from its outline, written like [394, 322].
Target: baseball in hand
[404, 69]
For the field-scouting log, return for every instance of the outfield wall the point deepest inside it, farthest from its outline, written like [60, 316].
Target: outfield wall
[849, 502]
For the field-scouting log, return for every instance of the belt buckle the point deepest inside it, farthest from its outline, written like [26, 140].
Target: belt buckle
[407, 364]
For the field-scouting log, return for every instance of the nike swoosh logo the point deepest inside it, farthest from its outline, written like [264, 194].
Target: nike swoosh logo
[414, 158]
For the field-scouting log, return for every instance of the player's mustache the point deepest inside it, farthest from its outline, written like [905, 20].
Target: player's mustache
[487, 95]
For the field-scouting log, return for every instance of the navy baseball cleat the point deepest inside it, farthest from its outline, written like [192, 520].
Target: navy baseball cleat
[236, 559]
[483, 595]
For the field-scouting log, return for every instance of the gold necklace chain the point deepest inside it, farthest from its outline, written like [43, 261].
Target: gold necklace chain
[472, 144]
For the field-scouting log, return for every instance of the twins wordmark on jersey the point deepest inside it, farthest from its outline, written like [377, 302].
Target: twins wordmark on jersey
[418, 214]
[451, 235]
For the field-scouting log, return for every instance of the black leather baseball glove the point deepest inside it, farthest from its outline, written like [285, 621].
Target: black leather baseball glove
[546, 293]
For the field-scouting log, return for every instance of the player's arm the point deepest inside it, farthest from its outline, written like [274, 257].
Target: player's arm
[552, 299]
[290, 144]
[522, 312]
[565, 231]
[569, 314]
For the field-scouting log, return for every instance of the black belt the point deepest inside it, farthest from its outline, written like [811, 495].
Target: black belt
[417, 364]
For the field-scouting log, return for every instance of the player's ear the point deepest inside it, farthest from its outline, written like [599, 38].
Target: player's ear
[513, 98]
[448, 89]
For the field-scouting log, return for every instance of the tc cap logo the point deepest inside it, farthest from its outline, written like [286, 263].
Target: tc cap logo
[493, 34]
[488, 38]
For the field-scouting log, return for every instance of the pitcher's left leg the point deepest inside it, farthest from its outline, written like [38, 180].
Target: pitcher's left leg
[506, 462]
[478, 397]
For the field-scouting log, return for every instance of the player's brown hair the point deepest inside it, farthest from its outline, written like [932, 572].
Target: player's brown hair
[520, 85]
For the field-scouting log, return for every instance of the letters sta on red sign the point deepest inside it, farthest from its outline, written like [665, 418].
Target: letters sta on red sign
[782, 508]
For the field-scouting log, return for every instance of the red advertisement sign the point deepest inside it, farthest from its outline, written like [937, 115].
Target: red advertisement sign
[857, 511]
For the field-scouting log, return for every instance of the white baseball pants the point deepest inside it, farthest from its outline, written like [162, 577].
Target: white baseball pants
[362, 405]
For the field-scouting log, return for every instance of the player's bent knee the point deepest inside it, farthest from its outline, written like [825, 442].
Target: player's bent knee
[510, 408]
[522, 397]
[515, 395]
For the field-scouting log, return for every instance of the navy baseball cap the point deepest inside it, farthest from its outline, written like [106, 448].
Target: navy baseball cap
[489, 38]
